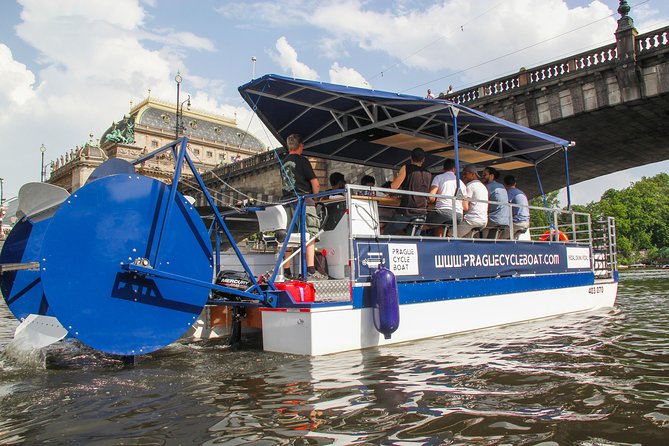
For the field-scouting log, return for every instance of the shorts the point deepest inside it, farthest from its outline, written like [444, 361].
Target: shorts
[313, 222]
[442, 217]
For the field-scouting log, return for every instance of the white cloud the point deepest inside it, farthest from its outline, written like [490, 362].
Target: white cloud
[180, 39]
[333, 48]
[458, 34]
[92, 59]
[277, 13]
[17, 81]
[448, 37]
[286, 58]
[347, 76]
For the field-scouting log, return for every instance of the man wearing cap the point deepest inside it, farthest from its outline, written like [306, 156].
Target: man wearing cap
[476, 216]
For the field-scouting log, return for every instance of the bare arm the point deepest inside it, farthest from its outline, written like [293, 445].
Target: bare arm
[399, 179]
[433, 190]
[315, 185]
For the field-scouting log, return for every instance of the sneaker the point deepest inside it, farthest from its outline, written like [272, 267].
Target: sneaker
[317, 275]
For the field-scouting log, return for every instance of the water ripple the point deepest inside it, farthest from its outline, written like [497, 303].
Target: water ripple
[595, 378]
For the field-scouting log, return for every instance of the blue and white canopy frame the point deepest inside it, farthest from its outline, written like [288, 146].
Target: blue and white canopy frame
[379, 128]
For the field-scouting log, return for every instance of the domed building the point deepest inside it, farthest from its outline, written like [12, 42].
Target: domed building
[213, 141]
[70, 171]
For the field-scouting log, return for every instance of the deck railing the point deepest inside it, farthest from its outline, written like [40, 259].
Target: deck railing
[373, 209]
[564, 225]
[576, 226]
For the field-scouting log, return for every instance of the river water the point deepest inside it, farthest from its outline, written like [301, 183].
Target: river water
[600, 378]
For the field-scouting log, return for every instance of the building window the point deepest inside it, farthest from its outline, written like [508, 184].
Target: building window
[154, 143]
[210, 154]
[196, 151]
[221, 156]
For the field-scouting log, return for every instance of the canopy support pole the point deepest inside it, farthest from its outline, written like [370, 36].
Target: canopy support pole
[566, 169]
[543, 197]
[456, 146]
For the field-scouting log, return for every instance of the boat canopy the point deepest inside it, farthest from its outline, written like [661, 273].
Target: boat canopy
[379, 128]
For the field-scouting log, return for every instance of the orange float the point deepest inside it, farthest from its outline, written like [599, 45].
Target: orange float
[548, 235]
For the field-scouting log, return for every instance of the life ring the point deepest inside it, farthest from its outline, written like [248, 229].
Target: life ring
[548, 235]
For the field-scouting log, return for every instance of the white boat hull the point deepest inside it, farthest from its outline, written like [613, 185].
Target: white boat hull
[320, 331]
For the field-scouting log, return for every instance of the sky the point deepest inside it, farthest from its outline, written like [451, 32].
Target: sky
[69, 68]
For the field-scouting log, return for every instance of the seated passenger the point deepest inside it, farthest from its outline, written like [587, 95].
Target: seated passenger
[498, 214]
[476, 214]
[446, 183]
[369, 181]
[521, 214]
[412, 177]
[337, 181]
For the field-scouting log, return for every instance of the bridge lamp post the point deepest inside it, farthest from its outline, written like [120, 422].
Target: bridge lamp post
[43, 150]
[253, 67]
[2, 195]
[180, 111]
[178, 80]
[180, 105]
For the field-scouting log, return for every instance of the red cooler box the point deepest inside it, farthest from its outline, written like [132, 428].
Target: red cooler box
[300, 291]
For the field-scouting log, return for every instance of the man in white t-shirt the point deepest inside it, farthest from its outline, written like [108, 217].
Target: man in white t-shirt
[446, 183]
[476, 215]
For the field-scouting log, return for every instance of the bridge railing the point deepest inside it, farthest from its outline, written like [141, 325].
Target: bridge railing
[250, 163]
[604, 55]
[653, 40]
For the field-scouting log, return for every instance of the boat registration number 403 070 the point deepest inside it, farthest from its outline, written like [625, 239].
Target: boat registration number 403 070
[596, 289]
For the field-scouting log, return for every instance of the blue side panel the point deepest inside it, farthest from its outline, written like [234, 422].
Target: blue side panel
[103, 226]
[431, 291]
[23, 290]
[445, 259]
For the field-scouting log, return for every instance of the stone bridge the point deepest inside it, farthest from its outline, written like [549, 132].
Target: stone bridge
[612, 101]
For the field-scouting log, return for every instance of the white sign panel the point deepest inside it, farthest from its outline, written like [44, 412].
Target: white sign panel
[578, 257]
[403, 259]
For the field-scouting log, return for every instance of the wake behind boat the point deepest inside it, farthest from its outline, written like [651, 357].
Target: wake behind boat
[145, 268]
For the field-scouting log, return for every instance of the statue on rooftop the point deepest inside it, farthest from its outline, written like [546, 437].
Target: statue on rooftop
[123, 132]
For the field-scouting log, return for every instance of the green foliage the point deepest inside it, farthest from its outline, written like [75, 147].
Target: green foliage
[642, 216]
[541, 218]
[641, 212]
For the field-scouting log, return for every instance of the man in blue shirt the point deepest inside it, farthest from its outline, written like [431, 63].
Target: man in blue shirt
[521, 211]
[498, 214]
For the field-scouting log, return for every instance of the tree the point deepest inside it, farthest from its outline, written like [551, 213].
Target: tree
[642, 215]
[543, 218]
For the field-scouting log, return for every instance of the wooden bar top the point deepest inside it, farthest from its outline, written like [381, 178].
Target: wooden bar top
[385, 201]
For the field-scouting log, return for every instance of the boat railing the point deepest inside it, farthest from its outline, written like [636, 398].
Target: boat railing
[559, 224]
[604, 247]
[364, 212]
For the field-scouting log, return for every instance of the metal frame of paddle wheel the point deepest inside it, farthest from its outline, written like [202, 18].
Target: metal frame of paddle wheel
[257, 295]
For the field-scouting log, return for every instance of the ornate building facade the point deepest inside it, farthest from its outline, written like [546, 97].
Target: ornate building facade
[213, 141]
